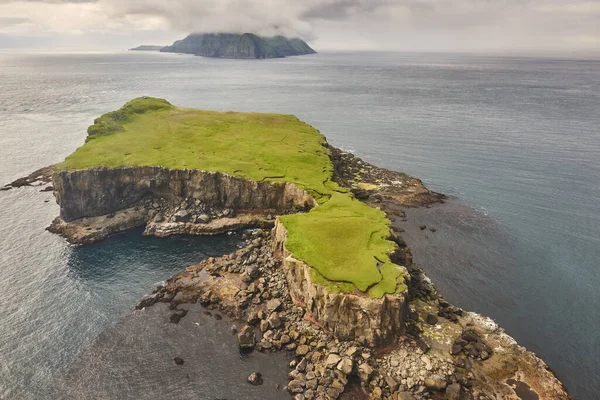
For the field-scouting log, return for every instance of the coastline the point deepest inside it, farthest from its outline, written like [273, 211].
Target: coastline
[415, 353]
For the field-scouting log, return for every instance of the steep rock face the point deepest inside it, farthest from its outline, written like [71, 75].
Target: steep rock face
[96, 192]
[359, 317]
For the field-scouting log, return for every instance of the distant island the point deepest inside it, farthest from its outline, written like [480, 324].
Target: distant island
[239, 46]
[146, 47]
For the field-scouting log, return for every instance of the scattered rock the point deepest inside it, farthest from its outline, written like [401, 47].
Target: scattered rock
[423, 227]
[178, 361]
[364, 372]
[264, 325]
[431, 319]
[436, 382]
[345, 365]
[274, 321]
[202, 219]
[332, 360]
[181, 216]
[453, 392]
[273, 305]
[246, 337]
[302, 350]
[255, 378]
[158, 218]
[405, 396]
[295, 387]
[252, 271]
[391, 382]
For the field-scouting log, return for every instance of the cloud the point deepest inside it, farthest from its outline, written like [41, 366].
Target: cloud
[378, 24]
[10, 21]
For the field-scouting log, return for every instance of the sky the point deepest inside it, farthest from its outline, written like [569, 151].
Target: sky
[513, 26]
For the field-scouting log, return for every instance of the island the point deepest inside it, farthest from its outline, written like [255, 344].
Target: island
[322, 275]
[146, 47]
[239, 46]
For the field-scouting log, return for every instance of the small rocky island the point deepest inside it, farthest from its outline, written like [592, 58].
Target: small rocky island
[323, 275]
[239, 46]
[146, 47]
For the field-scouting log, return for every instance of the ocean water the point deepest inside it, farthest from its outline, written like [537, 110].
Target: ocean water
[515, 140]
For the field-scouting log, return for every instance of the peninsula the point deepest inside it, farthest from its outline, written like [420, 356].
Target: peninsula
[324, 276]
[239, 46]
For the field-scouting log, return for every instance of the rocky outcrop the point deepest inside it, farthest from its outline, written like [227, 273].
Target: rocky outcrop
[349, 316]
[96, 192]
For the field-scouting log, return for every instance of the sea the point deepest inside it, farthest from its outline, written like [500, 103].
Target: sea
[513, 141]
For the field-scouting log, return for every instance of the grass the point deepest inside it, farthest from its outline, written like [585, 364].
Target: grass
[343, 239]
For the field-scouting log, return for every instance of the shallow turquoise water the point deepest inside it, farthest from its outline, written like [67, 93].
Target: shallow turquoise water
[516, 139]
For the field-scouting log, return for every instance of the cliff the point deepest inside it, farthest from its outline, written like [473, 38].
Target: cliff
[326, 278]
[239, 46]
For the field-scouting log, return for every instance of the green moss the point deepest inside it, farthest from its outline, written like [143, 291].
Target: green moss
[343, 239]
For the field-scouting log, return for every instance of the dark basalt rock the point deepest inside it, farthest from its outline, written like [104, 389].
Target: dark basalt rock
[178, 361]
[177, 315]
[471, 345]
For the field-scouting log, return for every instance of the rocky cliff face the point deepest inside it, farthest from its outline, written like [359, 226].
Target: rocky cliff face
[348, 316]
[96, 192]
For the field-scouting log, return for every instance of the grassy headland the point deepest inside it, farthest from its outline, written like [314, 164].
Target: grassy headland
[343, 239]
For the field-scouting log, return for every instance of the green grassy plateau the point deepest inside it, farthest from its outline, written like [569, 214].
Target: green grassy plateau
[343, 239]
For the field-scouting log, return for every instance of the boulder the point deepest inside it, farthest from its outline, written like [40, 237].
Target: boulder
[295, 387]
[255, 378]
[391, 382]
[246, 337]
[332, 360]
[403, 396]
[436, 382]
[181, 216]
[273, 305]
[274, 321]
[302, 350]
[453, 392]
[252, 271]
[364, 372]
[178, 361]
[345, 365]
[202, 219]
[158, 218]
[264, 325]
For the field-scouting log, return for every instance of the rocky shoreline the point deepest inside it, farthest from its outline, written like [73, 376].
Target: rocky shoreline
[414, 345]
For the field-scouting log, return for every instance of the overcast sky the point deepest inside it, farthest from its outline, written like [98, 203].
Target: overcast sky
[519, 26]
